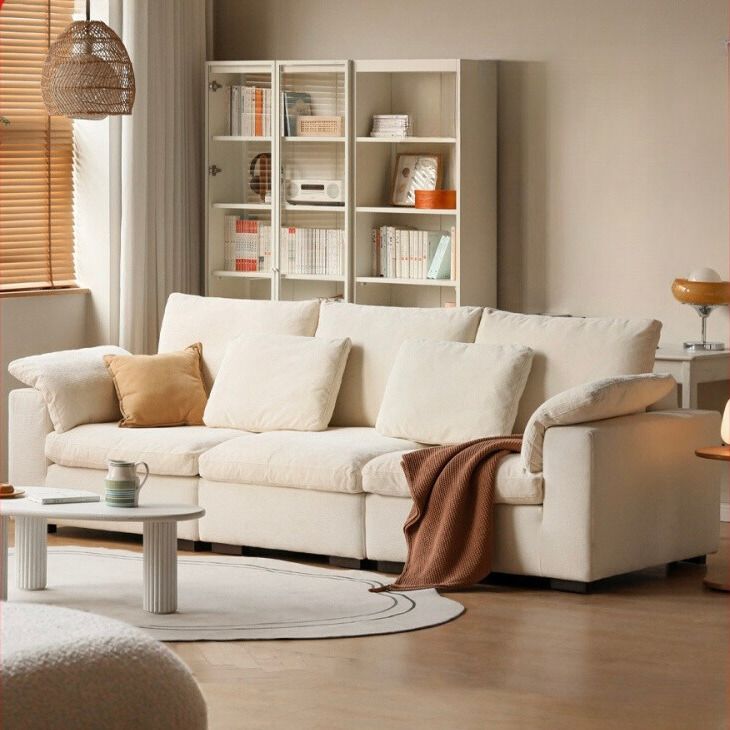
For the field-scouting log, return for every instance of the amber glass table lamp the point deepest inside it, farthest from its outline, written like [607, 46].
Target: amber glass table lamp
[703, 290]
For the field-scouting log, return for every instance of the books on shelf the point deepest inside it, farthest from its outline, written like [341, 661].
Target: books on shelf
[246, 245]
[391, 125]
[249, 111]
[408, 253]
[295, 104]
[313, 251]
[53, 495]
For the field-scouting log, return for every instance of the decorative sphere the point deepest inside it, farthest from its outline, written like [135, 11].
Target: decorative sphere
[725, 427]
[705, 274]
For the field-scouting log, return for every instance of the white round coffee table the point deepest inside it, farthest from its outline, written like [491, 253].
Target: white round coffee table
[159, 523]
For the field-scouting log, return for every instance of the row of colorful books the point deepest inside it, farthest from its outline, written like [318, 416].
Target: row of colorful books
[246, 245]
[408, 253]
[249, 111]
[315, 251]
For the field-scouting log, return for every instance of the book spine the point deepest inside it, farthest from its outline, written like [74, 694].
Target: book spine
[454, 258]
[259, 112]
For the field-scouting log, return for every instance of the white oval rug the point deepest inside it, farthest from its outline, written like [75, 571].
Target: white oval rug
[222, 598]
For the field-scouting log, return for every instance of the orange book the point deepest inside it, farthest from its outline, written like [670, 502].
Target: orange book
[259, 113]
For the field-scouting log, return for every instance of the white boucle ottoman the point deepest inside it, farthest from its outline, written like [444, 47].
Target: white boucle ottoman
[70, 669]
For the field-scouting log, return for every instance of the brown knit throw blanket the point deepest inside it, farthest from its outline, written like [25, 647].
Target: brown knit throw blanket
[448, 531]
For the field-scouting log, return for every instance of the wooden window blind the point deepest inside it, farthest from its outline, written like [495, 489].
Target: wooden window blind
[36, 153]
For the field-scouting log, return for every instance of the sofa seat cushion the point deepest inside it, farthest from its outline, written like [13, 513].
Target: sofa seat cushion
[172, 451]
[384, 476]
[330, 460]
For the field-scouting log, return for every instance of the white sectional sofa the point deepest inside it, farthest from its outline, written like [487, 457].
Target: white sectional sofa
[614, 496]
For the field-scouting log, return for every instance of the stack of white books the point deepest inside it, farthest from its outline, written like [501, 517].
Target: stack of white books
[312, 251]
[407, 253]
[391, 125]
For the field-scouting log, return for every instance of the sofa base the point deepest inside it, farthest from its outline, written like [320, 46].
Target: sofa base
[571, 586]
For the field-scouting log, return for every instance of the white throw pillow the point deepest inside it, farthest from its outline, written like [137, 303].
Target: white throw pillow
[276, 383]
[451, 392]
[570, 351]
[75, 384]
[596, 401]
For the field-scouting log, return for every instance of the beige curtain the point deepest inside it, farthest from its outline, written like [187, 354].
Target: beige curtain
[162, 161]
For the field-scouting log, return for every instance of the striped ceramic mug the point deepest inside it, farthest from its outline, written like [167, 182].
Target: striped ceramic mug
[123, 484]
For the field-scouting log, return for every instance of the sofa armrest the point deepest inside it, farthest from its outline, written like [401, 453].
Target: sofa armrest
[28, 426]
[627, 493]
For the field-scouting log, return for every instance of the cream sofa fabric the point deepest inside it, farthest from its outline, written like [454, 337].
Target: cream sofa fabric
[172, 451]
[627, 493]
[280, 518]
[73, 669]
[215, 322]
[516, 542]
[277, 382]
[606, 398]
[377, 333]
[29, 426]
[330, 461]
[451, 392]
[157, 490]
[75, 384]
[571, 351]
[383, 475]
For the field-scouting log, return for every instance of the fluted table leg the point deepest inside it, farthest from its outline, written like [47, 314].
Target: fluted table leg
[160, 567]
[4, 525]
[31, 553]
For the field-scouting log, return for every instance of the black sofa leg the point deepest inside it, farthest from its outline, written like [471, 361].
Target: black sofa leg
[348, 563]
[570, 586]
[193, 546]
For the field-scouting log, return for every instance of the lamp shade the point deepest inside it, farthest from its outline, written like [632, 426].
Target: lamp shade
[701, 292]
[87, 73]
[725, 427]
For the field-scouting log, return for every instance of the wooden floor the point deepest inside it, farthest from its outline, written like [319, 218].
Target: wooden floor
[649, 650]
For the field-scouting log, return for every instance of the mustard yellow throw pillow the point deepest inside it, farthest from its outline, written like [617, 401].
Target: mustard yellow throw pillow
[159, 390]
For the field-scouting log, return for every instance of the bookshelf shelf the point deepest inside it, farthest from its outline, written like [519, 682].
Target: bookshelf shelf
[452, 106]
[405, 211]
[242, 206]
[407, 140]
[312, 277]
[314, 208]
[222, 274]
[239, 138]
[407, 282]
[314, 139]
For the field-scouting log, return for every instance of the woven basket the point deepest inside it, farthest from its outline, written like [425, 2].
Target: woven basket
[319, 126]
[87, 73]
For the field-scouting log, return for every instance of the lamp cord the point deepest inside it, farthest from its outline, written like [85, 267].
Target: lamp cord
[88, 10]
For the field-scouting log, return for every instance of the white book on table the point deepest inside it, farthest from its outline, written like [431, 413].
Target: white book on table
[53, 495]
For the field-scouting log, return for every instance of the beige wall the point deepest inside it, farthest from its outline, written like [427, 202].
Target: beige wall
[613, 115]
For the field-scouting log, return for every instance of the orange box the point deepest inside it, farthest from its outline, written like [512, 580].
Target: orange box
[441, 199]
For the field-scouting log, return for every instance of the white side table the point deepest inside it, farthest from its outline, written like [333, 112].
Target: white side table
[692, 368]
[159, 542]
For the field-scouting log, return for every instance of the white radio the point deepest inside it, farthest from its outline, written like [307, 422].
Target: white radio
[315, 192]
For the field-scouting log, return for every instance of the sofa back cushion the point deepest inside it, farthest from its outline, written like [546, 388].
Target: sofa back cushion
[377, 334]
[214, 322]
[571, 351]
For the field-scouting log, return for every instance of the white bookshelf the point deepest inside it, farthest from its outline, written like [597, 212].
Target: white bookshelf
[453, 107]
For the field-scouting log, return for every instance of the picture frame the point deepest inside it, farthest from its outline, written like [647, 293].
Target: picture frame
[414, 171]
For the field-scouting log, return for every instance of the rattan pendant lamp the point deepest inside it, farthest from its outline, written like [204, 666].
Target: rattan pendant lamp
[87, 73]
